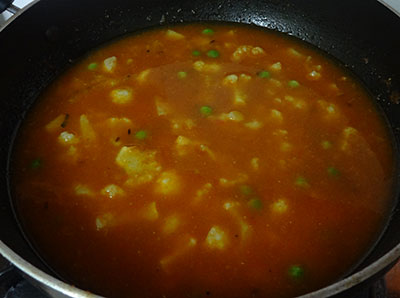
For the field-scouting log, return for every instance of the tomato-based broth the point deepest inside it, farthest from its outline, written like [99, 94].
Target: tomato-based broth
[203, 160]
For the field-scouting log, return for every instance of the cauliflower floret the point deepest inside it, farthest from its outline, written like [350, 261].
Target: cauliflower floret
[276, 66]
[280, 206]
[230, 79]
[171, 224]
[329, 111]
[206, 67]
[113, 121]
[168, 183]
[217, 238]
[347, 134]
[182, 125]
[255, 163]
[234, 116]
[121, 96]
[110, 63]
[183, 245]
[141, 166]
[112, 191]
[183, 144]
[66, 138]
[83, 190]
[246, 51]
[244, 77]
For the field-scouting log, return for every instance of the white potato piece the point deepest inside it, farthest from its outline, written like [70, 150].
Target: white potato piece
[56, 123]
[150, 212]
[104, 221]
[162, 107]
[294, 53]
[87, 130]
[314, 75]
[184, 245]
[286, 147]
[143, 76]
[72, 151]
[254, 124]
[245, 228]
[330, 111]
[240, 178]
[173, 35]
[206, 149]
[202, 192]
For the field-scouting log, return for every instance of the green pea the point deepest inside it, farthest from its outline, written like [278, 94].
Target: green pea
[213, 54]
[36, 164]
[141, 135]
[246, 190]
[206, 110]
[255, 204]
[196, 53]
[182, 74]
[332, 171]
[296, 271]
[301, 182]
[293, 84]
[92, 66]
[326, 145]
[264, 74]
[208, 31]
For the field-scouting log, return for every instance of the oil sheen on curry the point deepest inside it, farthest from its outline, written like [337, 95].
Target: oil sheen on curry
[203, 160]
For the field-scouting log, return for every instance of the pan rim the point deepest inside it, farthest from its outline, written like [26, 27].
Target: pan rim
[72, 291]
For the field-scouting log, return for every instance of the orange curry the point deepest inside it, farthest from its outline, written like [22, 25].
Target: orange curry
[203, 160]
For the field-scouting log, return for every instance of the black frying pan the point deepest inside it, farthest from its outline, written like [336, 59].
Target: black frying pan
[49, 36]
